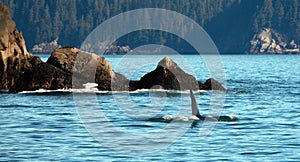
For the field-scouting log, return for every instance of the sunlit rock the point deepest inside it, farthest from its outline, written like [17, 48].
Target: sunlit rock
[167, 75]
[14, 57]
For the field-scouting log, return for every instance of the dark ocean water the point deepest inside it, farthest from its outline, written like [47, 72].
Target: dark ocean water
[263, 91]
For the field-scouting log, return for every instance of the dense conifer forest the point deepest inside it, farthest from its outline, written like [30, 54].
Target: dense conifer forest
[231, 23]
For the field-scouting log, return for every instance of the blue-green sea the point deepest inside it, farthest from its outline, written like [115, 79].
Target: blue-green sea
[84, 125]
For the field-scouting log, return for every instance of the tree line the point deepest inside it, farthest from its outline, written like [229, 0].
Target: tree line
[71, 21]
[281, 15]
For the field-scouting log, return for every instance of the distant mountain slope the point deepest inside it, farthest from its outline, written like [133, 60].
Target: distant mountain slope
[232, 29]
[231, 23]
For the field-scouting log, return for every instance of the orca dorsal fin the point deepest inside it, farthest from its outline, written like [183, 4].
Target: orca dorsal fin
[195, 110]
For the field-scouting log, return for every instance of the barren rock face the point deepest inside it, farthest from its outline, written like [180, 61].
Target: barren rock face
[72, 68]
[87, 68]
[43, 76]
[14, 57]
[167, 75]
[212, 84]
[63, 58]
[271, 42]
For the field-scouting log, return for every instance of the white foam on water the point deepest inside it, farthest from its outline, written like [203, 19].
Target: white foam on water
[92, 88]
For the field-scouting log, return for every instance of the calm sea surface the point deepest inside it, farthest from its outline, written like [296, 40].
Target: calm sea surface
[263, 91]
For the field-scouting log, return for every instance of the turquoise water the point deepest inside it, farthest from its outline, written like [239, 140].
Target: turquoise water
[263, 91]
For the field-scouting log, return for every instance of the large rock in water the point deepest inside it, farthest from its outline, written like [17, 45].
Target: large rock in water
[70, 67]
[14, 57]
[43, 76]
[212, 84]
[167, 75]
[88, 68]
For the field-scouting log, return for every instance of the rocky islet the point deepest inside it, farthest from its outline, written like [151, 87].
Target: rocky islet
[70, 67]
[268, 41]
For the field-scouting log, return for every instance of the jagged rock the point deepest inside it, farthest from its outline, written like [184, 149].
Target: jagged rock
[103, 48]
[14, 57]
[87, 68]
[46, 47]
[212, 84]
[167, 75]
[63, 58]
[109, 80]
[268, 41]
[292, 45]
[202, 86]
[70, 68]
[43, 76]
[115, 49]
[35, 60]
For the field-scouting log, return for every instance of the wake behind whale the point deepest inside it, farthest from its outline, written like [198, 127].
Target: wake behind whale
[168, 119]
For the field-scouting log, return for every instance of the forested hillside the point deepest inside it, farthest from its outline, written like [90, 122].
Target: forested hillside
[231, 23]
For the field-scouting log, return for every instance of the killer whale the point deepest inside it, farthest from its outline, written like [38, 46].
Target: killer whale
[196, 113]
[195, 110]
[195, 116]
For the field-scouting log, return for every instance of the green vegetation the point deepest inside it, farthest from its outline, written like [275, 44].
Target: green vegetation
[72, 21]
[281, 15]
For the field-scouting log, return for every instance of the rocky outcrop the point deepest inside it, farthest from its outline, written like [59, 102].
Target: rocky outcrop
[14, 58]
[70, 67]
[168, 75]
[103, 48]
[87, 68]
[268, 41]
[116, 49]
[212, 84]
[46, 47]
[19, 69]
[43, 76]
